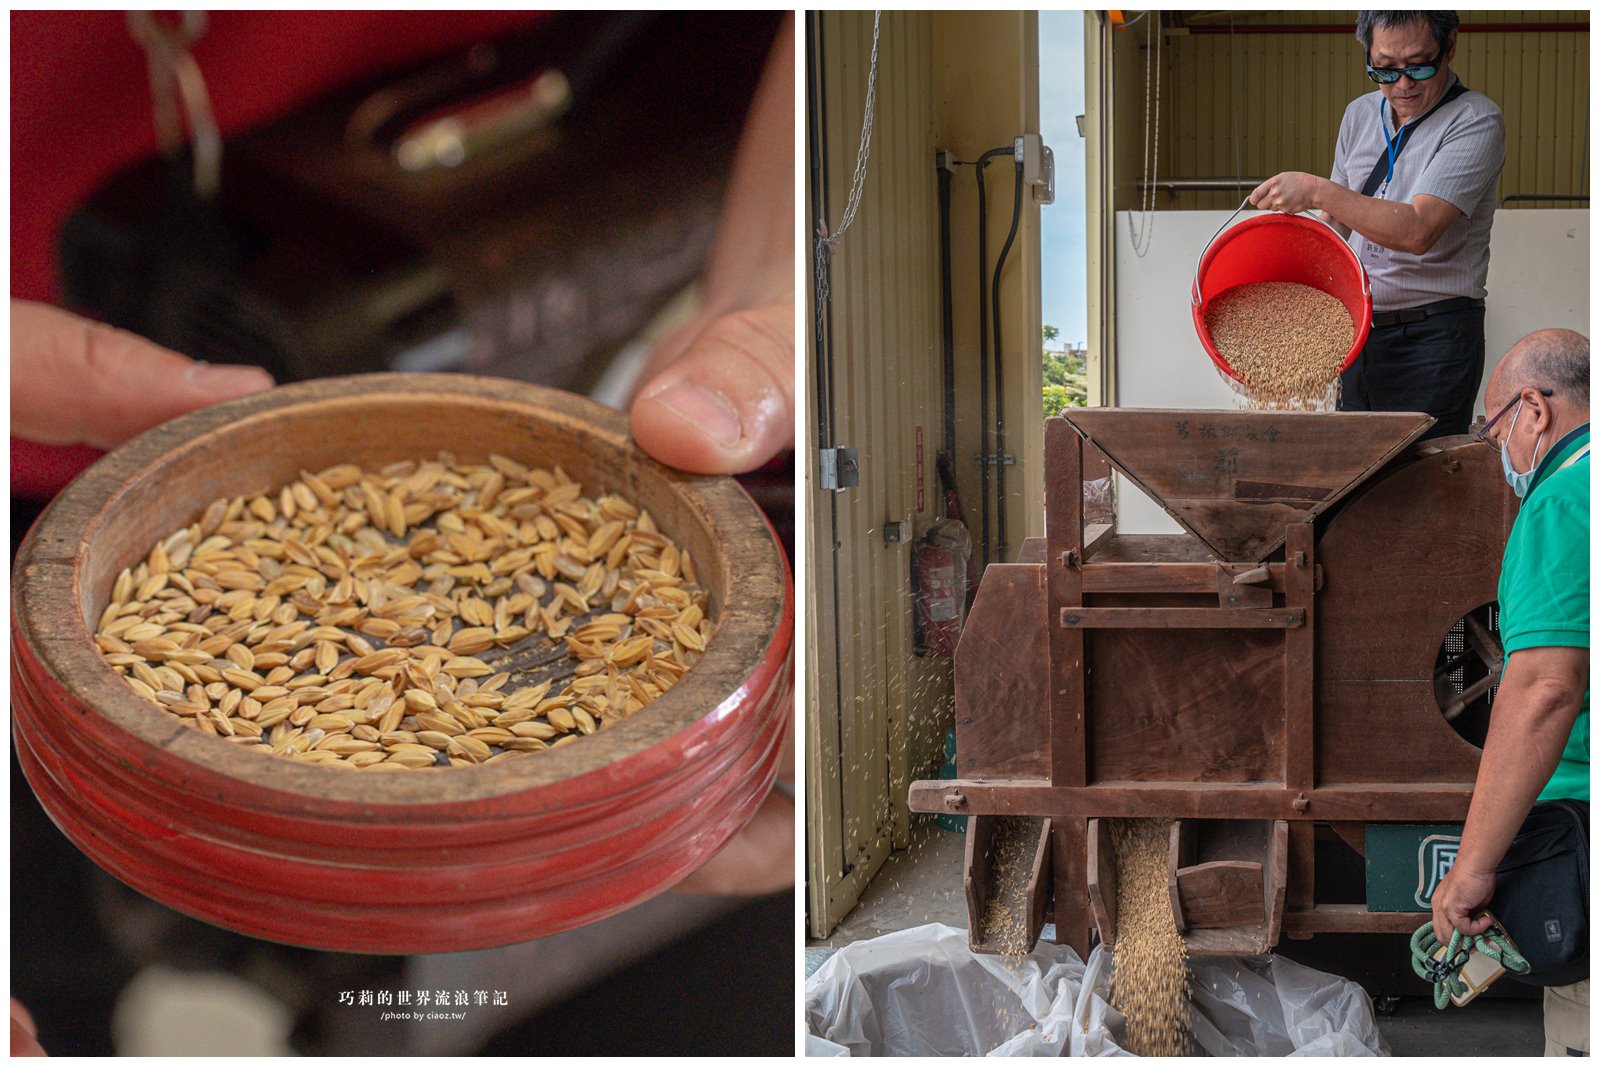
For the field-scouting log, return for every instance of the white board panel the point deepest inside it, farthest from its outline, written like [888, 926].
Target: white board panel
[1538, 278]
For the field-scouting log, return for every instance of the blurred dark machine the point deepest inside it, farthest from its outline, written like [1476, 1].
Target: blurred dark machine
[520, 209]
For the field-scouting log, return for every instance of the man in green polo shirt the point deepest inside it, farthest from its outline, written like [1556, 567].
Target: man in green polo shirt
[1538, 743]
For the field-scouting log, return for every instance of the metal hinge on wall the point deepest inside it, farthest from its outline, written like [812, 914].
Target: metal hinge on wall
[838, 469]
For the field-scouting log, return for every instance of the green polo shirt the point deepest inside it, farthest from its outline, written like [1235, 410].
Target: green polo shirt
[1544, 584]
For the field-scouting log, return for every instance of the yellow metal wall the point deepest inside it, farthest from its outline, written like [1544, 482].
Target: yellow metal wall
[965, 82]
[988, 77]
[870, 697]
[1256, 104]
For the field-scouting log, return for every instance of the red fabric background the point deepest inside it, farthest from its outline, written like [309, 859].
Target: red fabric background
[80, 109]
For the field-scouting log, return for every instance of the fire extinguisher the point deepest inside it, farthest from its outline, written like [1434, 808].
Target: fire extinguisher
[939, 587]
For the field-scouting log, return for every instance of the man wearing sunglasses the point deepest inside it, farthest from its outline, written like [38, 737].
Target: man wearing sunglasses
[1415, 174]
[1538, 743]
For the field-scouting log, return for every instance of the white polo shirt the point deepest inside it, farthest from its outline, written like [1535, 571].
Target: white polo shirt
[1457, 155]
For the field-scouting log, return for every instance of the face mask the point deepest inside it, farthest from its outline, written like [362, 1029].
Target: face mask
[1520, 481]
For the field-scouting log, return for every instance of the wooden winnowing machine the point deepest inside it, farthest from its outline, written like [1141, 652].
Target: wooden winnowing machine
[1274, 670]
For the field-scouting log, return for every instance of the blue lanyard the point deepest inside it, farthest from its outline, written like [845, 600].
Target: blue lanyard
[1393, 142]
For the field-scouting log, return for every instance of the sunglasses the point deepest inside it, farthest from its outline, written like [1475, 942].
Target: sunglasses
[1483, 431]
[1419, 73]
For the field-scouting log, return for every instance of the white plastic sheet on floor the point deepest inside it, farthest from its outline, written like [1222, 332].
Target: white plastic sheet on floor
[921, 992]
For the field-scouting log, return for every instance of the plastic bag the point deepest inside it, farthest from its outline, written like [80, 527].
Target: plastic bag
[1099, 505]
[1266, 1006]
[1271, 1006]
[922, 992]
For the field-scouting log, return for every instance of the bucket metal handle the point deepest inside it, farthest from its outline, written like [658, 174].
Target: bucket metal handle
[1194, 285]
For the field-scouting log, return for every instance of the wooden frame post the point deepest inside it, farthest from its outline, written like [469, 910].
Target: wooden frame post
[1299, 698]
[1068, 745]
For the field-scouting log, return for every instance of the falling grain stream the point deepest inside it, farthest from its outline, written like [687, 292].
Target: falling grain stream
[1149, 980]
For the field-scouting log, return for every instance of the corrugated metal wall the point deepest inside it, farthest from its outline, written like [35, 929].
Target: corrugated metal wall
[987, 74]
[963, 82]
[1256, 104]
[873, 704]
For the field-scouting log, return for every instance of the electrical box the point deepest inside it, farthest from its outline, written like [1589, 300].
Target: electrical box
[1038, 167]
[838, 469]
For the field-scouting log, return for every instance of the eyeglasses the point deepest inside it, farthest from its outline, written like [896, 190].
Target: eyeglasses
[1483, 431]
[1419, 73]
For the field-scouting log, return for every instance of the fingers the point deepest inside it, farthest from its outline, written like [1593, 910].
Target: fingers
[1441, 923]
[720, 397]
[1275, 193]
[74, 381]
[726, 403]
[24, 1034]
[1448, 918]
[760, 858]
[1444, 909]
[786, 759]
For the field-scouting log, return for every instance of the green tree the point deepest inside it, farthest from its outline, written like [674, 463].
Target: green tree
[1066, 377]
[1057, 398]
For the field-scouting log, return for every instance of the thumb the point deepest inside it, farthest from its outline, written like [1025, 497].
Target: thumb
[725, 404]
[74, 381]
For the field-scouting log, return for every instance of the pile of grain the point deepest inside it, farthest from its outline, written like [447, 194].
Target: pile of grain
[1005, 918]
[1284, 340]
[377, 620]
[1148, 982]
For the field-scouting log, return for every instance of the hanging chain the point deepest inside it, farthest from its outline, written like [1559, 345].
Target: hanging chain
[1146, 225]
[858, 181]
[175, 78]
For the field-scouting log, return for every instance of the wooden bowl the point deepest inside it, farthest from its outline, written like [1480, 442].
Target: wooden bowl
[427, 861]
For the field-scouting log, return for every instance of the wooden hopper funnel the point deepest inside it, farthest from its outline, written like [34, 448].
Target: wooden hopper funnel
[1236, 479]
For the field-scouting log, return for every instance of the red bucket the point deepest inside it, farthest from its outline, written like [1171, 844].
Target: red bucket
[1282, 248]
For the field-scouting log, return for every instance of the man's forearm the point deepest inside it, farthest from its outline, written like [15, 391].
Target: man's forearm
[1389, 223]
[1528, 730]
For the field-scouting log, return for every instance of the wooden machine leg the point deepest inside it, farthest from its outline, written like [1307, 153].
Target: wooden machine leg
[1302, 869]
[1074, 922]
[1068, 746]
[1299, 702]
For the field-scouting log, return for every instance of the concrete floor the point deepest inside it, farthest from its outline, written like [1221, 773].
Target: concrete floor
[922, 884]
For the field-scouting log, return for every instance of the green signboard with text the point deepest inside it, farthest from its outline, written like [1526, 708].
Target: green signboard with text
[1406, 861]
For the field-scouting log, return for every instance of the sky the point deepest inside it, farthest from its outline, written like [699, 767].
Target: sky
[1064, 254]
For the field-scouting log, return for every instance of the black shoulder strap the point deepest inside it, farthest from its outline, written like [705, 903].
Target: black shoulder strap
[1381, 167]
